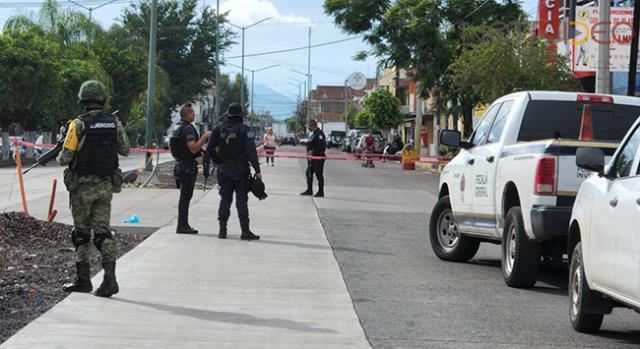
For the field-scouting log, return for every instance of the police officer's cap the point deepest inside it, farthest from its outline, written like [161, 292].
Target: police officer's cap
[257, 188]
[235, 110]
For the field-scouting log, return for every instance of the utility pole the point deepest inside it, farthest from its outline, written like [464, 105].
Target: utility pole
[217, 101]
[417, 139]
[151, 83]
[603, 77]
[243, 28]
[242, 79]
[309, 77]
[633, 56]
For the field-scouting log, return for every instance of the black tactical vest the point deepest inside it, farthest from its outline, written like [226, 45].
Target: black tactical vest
[178, 144]
[231, 145]
[98, 154]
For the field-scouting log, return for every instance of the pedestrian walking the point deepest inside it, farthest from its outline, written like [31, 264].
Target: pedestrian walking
[186, 147]
[233, 148]
[269, 144]
[316, 147]
[91, 147]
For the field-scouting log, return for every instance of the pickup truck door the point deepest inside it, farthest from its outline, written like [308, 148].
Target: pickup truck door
[485, 167]
[469, 186]
[624, 202]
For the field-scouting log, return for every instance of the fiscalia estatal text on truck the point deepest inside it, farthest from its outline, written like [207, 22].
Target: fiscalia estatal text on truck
[514, 182]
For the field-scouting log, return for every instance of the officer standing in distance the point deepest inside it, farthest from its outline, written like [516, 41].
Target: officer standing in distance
[185, 148]
[91, 147]
[233, 148]
[316, 146]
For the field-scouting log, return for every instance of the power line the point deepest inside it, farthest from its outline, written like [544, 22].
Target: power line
[37, 4]
[298, 48]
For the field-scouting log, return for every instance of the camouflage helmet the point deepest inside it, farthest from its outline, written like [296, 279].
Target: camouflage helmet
[92, 92]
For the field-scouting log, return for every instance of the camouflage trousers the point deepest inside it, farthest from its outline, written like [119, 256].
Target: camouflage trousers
[91, 210]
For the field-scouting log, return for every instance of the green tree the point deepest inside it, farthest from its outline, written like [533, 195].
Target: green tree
[363, 119]
[349, 116]
[508, 62]
[383, 110]
[28, 78]
[422, 36]
[186, 43]
[230, 91]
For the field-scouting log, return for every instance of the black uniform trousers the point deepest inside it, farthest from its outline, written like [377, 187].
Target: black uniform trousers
[315, 167]
[228, 186]
[187, 184]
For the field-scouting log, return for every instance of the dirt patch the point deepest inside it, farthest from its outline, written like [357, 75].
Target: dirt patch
[164, 179]
[36, 258]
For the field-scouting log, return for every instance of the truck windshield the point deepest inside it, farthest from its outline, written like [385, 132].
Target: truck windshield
[544, 119]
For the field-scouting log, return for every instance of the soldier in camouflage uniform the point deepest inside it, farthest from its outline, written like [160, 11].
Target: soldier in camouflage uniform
[91, 147]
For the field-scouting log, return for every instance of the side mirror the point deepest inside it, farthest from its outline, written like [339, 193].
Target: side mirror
[450, 138]
[453, 138]
[590, 159]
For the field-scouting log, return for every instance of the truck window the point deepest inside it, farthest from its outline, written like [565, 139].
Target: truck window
[544, 119]
[500, 122]
[479, 136]
[624, 161]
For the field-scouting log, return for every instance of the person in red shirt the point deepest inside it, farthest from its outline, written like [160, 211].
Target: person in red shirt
[369, 148]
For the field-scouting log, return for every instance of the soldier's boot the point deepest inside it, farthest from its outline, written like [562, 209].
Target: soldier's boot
[222, 232]
[109, 284]
[248, 235]
[83, 283]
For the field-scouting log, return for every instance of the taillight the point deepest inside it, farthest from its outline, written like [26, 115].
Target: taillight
[545, 179]
[589, 98]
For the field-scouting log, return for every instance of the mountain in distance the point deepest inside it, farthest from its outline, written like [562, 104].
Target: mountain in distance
[279, 105]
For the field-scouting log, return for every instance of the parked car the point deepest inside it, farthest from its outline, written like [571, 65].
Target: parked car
[378, 147]
[288, 140]
[603, 241]
[336, 138]
[349, 140]
[514, 182]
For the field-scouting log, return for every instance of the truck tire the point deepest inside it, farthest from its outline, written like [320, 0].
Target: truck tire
[520, 256]
[446, 241]
[580, 295]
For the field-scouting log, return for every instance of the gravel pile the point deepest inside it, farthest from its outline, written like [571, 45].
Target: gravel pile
[36, 258]
[164, 178]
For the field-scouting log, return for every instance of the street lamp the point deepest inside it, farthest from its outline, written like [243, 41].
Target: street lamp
[308, 92]
[253, 71]
[243, 28]
[90, 9]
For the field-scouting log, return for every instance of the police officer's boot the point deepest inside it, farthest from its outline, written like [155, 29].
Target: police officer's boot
[248, 235]
[109, 284]
[83, 283]
[309, 191]
[222, 232]
[320, 193]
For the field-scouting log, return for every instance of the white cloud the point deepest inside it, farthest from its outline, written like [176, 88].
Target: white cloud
[247, 12]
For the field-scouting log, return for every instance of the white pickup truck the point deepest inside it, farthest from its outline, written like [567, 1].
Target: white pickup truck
[603, 241]
[515, 181]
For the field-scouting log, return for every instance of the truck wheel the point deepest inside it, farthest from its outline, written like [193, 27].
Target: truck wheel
[520, 256]
[580, 295]
[446, 241]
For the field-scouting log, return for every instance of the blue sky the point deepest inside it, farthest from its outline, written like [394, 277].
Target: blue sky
[287, 28]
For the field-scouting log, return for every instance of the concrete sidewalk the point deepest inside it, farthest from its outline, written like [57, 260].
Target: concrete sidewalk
[181, 291]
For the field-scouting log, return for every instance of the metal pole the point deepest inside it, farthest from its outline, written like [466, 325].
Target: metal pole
[603, 77]
[151, 79]
[217, 105]
[633, 56]
[252, 113]
[309, 77]
[242, 80]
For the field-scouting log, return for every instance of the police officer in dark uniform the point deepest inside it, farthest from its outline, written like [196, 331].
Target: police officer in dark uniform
[316, 146]
[232, 147]
[185, 148]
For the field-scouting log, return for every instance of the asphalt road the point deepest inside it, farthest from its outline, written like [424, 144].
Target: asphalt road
[376, 221]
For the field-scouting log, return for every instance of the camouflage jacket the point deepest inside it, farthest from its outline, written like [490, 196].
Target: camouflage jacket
[73, 142]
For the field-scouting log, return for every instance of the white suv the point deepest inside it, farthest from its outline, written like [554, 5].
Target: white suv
[604, 235]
